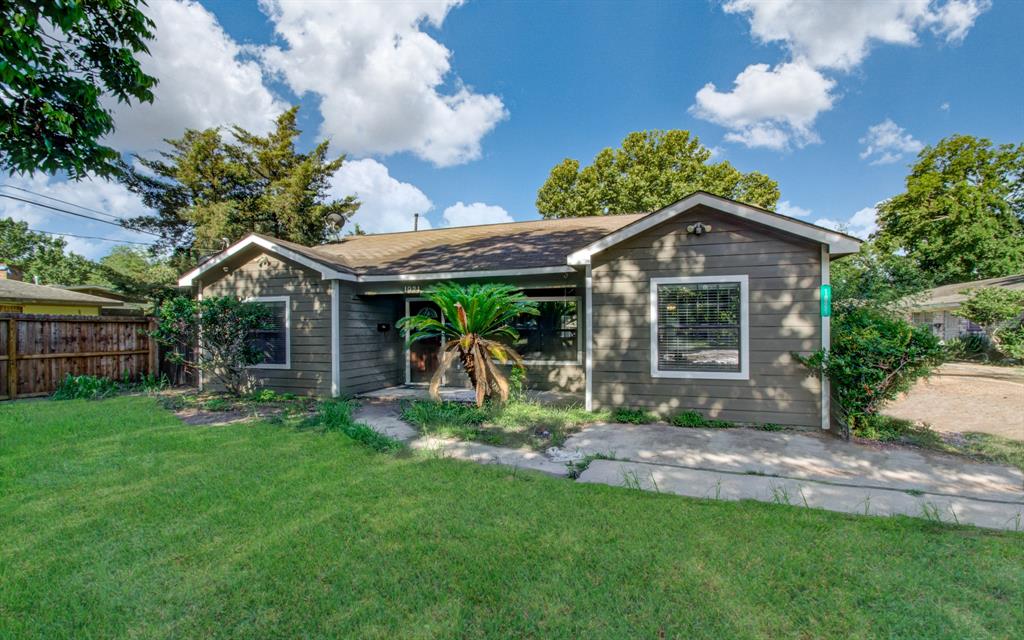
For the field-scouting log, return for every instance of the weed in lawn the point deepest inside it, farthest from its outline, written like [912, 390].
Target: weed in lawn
[627, 415]
[576, 469]
[86, 387]
[770, 426]
[915, 492]
[336, 415]
[218, 404]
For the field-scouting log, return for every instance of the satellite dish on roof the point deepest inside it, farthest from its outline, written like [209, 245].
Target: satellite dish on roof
[336, 220]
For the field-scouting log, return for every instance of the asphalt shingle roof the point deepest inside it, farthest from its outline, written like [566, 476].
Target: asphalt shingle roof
[17, 290]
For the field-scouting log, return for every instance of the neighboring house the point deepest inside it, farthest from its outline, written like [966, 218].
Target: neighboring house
[120, 304]
[937, 307]
[698, 305]
[24, 297]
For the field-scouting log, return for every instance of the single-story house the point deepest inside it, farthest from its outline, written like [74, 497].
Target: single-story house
[698, 305]
[120, 304]
[937, 307]
[17, 296]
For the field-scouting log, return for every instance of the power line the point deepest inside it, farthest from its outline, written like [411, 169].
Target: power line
[75, 235]
[73, 213]
[84, 208]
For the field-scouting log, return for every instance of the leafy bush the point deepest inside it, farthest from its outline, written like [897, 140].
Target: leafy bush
[633, 416]
[226, 325]
[94, 387]
[218, 404]
[268, 396]
[874, 357]
[694, 419]
[336, 415]
[1000, 312]
[517, 383]
[85, 388]
[969, 347]
[1011, 341]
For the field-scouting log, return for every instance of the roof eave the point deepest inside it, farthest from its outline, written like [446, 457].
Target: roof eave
[253, 239]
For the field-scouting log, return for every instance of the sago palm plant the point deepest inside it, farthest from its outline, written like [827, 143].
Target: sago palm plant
[476, 329]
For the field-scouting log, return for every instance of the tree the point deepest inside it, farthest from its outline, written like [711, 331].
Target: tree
[872, 277]
[42, 257]
[651, 169]
[477, 319]
[60, 59]
[961, 217]
[205, 189]
[999, 312]
[225, 326]
[136, 272]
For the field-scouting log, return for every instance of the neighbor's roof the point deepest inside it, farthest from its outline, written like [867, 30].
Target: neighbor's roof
[949, 296]
[17, 291]
[538, 246]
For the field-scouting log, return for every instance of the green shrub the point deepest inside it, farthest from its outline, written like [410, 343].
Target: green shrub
[874, 357]
[633, 416]
[85, 388]
[336, 415]
[688, 419]
[770, 426]
[1011, 341]
[218, 404]
[268, 396]
[880, 427]
[694, 419]
[969, 347]
[517, 383]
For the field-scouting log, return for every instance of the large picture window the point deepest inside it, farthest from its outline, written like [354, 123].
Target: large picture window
[274, 342]
[699, 327]
[552, 336]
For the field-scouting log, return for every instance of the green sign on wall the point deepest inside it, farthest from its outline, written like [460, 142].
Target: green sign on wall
[826, 300]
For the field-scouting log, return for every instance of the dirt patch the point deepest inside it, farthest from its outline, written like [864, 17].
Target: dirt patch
[965, 397]
[195, 416]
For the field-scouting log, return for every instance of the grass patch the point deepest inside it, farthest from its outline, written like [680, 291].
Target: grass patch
[515, 424]
[336, 415]
[86, 387]
[120, 521]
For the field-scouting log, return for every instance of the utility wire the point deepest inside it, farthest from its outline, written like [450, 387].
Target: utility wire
[73, 213]
[84, 208]
[75, 235]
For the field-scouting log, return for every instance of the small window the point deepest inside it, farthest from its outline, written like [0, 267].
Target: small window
[699, 327]
[551, 337]
[274, 342]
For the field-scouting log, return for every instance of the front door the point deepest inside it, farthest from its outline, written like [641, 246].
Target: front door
[424, 355]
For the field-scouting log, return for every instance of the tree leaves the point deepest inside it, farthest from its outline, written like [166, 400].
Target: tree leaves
[650, 170]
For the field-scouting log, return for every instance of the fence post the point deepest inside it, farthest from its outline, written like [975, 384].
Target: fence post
[12, 358]
[154, 357]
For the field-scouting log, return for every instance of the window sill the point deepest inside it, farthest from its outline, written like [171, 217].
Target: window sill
[702, 375]
[270, 366]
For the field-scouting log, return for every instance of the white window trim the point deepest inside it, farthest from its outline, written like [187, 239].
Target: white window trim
[744, 372]
[579, 344]
[287, 331]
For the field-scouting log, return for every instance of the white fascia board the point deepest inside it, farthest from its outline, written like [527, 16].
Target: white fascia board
[325, 272]
[456, 275]
[837, 242]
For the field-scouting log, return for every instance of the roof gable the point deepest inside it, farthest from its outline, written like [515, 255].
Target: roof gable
[838, 243]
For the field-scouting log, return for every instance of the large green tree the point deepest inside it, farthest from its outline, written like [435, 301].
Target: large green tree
[136, 272]
[651, 169]
[58, 60]
[961, 217]
[42, 257]
[208, 187]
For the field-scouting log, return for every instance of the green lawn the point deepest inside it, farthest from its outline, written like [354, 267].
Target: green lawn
[118, 521]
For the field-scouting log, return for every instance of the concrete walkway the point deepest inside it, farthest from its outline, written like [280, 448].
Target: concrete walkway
[803, 469]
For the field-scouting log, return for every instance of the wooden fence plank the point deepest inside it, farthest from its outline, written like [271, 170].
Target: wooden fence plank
[39, 351]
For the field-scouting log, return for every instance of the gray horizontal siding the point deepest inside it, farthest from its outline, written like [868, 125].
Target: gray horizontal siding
[370, 359]
[254, 274]
[784, 274]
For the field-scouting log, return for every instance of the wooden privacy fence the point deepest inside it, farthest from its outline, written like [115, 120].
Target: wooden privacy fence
[38, 351]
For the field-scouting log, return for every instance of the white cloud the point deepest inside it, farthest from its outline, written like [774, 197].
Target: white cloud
[205, 81]
[387, 204]
[887, 142]
[944, 106]
[775, 107]
[787, 208]
[768, 107]
[838, 35]
[107, 197]
[861, 224]
[380, 78]
[460, 214]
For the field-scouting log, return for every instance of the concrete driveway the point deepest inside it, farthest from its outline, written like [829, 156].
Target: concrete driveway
[808, 469]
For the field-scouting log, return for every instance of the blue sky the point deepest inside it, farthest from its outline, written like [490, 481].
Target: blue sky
[460, 110]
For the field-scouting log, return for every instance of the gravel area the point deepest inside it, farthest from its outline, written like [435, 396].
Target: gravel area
[965, 397]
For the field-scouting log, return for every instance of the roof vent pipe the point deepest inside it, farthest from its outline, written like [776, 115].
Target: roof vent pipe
[415, 222]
